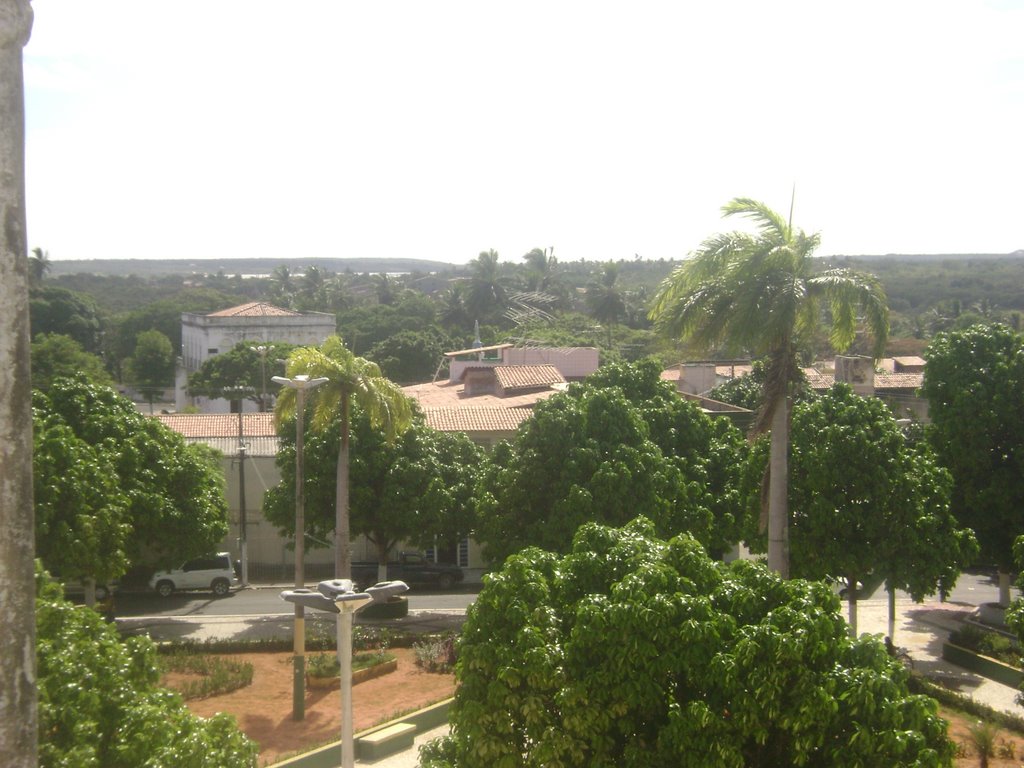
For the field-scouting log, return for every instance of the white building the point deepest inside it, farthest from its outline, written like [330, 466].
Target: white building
[204, 336]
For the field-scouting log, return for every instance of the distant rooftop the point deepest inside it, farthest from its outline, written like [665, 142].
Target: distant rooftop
[518, 377]
[477, 419]
[255, 309]
[219, 424]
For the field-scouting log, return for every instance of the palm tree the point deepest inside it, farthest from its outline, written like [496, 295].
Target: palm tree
[349, 378]
[540, 268]
[39, 265]
[605, 301]
[758, 293]
[487, 298]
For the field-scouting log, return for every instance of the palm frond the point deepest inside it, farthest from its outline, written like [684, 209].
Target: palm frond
[768, 221]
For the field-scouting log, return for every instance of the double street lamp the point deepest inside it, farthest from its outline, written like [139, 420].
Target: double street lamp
[339, 596]
[301, 384]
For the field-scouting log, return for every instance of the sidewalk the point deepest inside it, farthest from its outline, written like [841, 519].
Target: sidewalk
[922, 628]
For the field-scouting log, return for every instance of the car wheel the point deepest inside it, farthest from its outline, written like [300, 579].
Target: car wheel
[220, 587]
[164, 588]
[446, 581]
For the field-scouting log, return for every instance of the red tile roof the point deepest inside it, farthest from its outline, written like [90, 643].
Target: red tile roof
[255, 309]
[193, 425]
[446, 394]
[513, 377]
[477, 419]
[899, 380]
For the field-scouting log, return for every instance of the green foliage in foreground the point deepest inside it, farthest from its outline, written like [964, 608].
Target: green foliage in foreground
[631, 651]
[99, 704]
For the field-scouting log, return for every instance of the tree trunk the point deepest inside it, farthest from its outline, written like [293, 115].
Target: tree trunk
[18, 723]
[383, 547]
[851, 605]
[892, 610]
[1004, 588]
[342, 543]
[778, 489]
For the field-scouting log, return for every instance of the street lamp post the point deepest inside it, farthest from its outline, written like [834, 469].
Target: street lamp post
[339, 596]
[300, 384]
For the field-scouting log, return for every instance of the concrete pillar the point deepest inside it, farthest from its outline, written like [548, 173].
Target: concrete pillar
[18, 722]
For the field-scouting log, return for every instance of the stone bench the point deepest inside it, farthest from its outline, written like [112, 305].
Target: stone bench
[386, 741]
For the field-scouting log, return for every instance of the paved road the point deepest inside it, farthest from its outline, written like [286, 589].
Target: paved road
[263, 601]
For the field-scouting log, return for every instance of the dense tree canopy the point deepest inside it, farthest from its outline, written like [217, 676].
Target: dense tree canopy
[418, 488]
[58, 310]
[94, 445]
[249, 366]
[867, 504]
[974, 382]
[633, 651]
[56, 356]
[616, 446]
[100, 706]
[150, 369]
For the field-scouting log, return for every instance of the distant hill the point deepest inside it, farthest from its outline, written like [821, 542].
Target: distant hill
[231, 267]
[919, 257]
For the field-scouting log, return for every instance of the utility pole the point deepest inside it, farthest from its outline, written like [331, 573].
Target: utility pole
[241, 501]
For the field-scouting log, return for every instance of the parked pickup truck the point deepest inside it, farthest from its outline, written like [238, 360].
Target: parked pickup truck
[412, 568]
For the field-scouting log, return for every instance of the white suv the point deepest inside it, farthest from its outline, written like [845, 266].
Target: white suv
[213, 572]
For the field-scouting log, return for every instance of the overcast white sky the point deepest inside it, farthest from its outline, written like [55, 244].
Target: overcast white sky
[231, 128]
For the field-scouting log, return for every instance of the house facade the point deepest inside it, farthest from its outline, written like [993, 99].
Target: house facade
[205, 336]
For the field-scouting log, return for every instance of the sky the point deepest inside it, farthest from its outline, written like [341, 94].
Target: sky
[437, 130]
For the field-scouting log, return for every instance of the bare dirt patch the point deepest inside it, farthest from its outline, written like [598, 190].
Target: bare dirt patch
[264, 709]
[1009, 744]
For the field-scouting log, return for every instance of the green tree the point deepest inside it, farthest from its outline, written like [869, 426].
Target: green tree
[410, 357]
[759, 293]
[245, 366]
[541, 270]
[56, 356]
[58, 310]
[81, 510]
[175, 491]
[100, 705]
[150, 369]
[867, 506]
[39, 265]
[591, 455]
[349, 379]
[974, 383]
[487, 297]
[634, 651]
[605, 301]
[417, 488]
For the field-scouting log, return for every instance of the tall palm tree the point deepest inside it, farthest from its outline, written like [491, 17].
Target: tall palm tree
[759, 293]
[604, 299]
[39, 265]
[349, 378]
[540, 268]
[487, 297]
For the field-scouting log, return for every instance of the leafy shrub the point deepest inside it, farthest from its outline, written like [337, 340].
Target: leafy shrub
[100, 704]
[327, 664]
[633, 651]
[436, 654]
[217, 674]
[987, 643]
